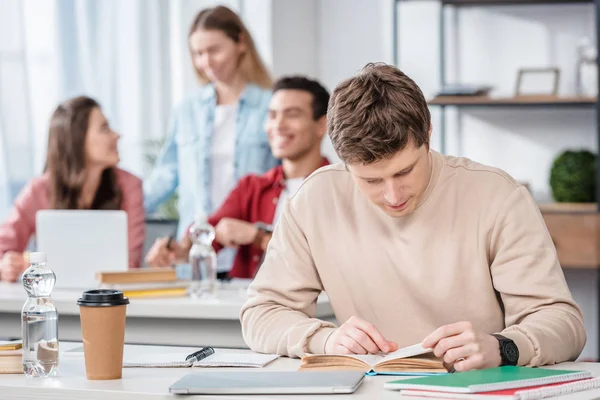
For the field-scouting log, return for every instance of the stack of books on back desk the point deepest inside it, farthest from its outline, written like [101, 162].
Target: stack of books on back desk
[144, 282]
[11, 357]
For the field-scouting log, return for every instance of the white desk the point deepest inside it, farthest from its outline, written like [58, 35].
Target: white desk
[153, 383]
[162, 321]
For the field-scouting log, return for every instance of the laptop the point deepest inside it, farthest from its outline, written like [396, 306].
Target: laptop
[268, 382]
[80, 243]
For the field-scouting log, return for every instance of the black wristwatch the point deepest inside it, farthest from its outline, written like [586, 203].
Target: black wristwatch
[264, 227]
[509, 352]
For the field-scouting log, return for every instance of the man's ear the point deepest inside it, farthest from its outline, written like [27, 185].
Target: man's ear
[322, 126]
[429, 139]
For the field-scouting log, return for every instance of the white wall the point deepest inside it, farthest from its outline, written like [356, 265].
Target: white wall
[352, 33]
[491, 44]
[258, 17]
[295, 32]
[27, 95]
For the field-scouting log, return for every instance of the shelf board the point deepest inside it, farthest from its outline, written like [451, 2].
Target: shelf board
[530, 101]
[569, 208]
[510, 2]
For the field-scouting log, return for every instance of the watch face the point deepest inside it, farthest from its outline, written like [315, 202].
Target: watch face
[264, 227]
[511, 352]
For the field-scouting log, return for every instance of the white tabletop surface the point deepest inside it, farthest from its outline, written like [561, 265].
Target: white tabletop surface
[153, 383]
[227, 306]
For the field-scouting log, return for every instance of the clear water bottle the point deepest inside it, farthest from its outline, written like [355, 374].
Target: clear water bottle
[203, 259]
[39, 320]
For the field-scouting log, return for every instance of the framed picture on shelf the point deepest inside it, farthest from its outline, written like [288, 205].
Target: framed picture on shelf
[537, 82]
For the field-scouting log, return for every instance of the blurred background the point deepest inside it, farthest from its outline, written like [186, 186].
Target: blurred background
[467, 56]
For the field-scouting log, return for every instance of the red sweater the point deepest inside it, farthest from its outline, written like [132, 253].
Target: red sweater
[254, 199]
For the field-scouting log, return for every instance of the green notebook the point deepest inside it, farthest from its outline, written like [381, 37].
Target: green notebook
[487, 380]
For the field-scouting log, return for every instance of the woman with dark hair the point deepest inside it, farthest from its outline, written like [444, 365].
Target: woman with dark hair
[81, 174]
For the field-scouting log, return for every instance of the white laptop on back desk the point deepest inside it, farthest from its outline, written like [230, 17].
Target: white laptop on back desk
[80, 243]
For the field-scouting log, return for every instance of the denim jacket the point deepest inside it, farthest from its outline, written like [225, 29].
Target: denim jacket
[184, 162]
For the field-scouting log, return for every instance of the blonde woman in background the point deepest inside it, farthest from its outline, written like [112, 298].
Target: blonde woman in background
[216, 135]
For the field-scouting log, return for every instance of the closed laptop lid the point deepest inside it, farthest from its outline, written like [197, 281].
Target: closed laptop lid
[268, 382]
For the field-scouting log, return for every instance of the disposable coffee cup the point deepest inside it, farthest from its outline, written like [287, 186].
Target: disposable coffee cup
[102, 314]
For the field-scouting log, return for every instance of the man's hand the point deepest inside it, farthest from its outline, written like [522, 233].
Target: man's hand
[459, 344]
[164, 255]
[264, 241]
[11, 266]
[234, 232]
[357, 336]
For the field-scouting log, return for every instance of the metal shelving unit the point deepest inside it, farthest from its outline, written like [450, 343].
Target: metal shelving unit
[528, 102]
[516, 103]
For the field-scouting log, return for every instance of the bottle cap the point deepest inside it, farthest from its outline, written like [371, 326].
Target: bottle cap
[37, 257]
[200, 218]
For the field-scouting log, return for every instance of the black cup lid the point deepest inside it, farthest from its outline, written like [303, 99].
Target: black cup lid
[102, 298]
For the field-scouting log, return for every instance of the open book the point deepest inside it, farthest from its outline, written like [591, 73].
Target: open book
[408, 360]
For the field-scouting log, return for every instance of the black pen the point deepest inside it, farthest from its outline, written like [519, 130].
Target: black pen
[449, 367]
[200, 354]
[170, 241]
[170, 244]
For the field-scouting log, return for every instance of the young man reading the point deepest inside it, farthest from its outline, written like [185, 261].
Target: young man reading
[296, 124]
[411, 246]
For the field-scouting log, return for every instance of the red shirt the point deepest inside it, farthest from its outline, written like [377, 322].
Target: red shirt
[254, 199]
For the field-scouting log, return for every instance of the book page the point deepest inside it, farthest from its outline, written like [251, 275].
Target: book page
[406, 352]
[10, 353]
[374, 359]
[369, 359]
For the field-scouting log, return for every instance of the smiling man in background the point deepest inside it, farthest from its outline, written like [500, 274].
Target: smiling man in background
[296, 123]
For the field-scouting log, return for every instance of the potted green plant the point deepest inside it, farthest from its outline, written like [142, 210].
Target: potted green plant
[573, 177]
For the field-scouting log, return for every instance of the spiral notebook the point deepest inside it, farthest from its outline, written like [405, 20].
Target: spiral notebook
[488, 380]
[218, 359]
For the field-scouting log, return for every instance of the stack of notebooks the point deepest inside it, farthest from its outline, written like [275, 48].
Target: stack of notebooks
[411, 360]
[144, 282]
[520, 383]
[11, 357]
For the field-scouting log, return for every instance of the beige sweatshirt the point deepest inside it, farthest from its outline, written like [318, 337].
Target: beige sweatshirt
[475, 249]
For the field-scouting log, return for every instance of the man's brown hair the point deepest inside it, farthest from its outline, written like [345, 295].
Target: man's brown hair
[374, 114]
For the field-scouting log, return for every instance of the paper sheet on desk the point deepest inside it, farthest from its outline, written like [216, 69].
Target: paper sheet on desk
[168, 360]
[219, 359]
[251, 360]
